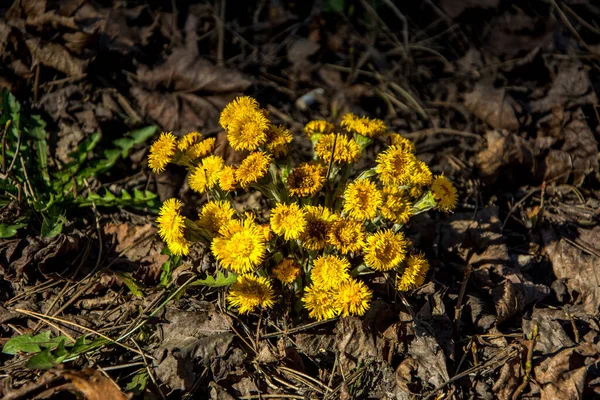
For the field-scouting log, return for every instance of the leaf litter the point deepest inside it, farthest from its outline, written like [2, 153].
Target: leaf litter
[520, 252]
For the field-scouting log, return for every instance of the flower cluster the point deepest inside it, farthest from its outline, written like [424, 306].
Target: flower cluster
[329, 227]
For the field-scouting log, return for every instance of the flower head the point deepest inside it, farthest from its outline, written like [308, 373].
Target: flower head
[197, 180]
[250, 292]
[253, 168]
[318, 223]
[213, 165]
[421, 175]
[329, 272]
[414, 273]
[352, 298]
[162, 152]
[171, 227]
[189, 140]
[385, 250]
[286, 271]
[319, 127]
[395, 139]
[306, 180]
[346, 235]
[227, 179]
[201, 149]
[319, 303]
[395, 166]
[444, 193]
[240, 245]
[362, 200]
[288, 220]
[245, 124]
[346, 149]
[278, 139]
[396, 206]
[215, 214]
[369, 127]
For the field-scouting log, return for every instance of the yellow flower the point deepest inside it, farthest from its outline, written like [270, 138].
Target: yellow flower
[250, 292]
[171, 226]
[319, 127]
[162, 152]
[253, 168]
[278, 139]
[395, 166]
[306, 180]
[415, 192]
[396, 207]
[213, 165]
[245, 124]
[288, 220]
[352, 298]
[319, 303]
[414, 273]
[266, 231]
[346, 235]
[444, 193]
[346, 149]
[240, 246]
[329, 272]
[318, 223]
[197, 180]
[385, 250]
[369, 127]
[407, 145]
[362, 199]
[215, 214]
[422, 174]
[189, 140]
[227, 179]
[286, 271]
[201, 149]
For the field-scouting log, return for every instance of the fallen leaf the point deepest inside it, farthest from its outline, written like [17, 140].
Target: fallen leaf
[508, 157]
[94, 386]
[455, 8]
[494, 106]
[55, 56]
[552, 336]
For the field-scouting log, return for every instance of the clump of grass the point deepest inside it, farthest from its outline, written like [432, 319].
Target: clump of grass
[326, 233]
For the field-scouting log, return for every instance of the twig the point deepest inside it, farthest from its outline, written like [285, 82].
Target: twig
[4, 134]
[36, 82]
[419, 135]
[12, 162]
[221, 32]
[459, 303]
[571, 29]
[528, 363]
[297, 329]
[402, 18]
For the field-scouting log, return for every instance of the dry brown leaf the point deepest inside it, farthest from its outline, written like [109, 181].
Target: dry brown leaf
[493, 106]
[55, 56]
[94, 386]
[508, 156]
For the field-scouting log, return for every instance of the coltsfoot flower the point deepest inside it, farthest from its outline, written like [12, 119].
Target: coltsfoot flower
[253, 168]
[171, 227]
[369, 127]
[319, 303]
[395, 139]
[395, 166]
[240, 246]
[346, 235]
[201, 149]
[346, 149]
[319, 127]
[385, 250]
[215, 214]
[396, 206]
[318, 224]
[352, 298]
[444, 193]
[329, 272]
[250, 292]
[422, 174]
[278, 139]
[414, 273]
[362, 199]
[306, 180]
[162, 152]
[227, 180]
[286, 271]
[189, 140]
[245, 124]
[288, 220]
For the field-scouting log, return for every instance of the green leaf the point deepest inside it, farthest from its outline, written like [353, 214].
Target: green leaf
[8, 231]
[53, 222]
[42, 360]
[31, 344]
[425, 203]
[138, 383]
[220, 281]
[131, 283]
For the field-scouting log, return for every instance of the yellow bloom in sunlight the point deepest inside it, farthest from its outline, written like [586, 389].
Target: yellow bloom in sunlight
[396, 206]
[197, 180]
[266, 231]
[319, 303]
[286, 271]
[306, 180]
[171, 226]
[162, 152]
[318, 223]
[346, 149]
[253, 168]
[278, 139]
[245, 124]
[201, 149]
[346, 235]
[319, 127]
[215, 214]
[405, 144]
[250, 292]
[329, 272]
[422, 174]
[362, 199]
[288, 220]
[227, 179]
[189, 140]
[415, 192]
[240, 246]
[352, 298]
[414, 273]
[385, 250]
[213, 165]
[369, 127]
[395, 166]
[444, 193]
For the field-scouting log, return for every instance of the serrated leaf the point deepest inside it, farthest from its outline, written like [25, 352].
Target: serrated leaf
[8, 230]
[42, 360]
[220, 281]
[31, 344]
[138, 383]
